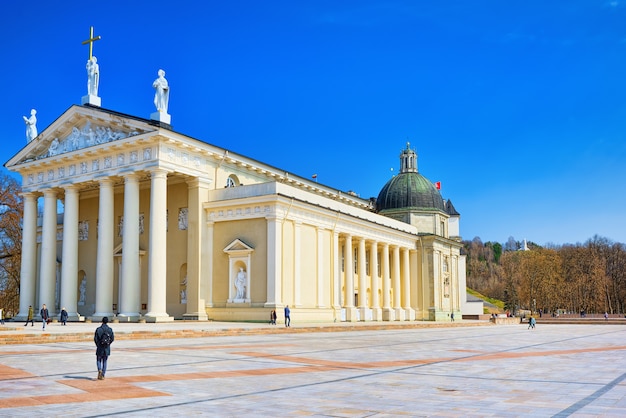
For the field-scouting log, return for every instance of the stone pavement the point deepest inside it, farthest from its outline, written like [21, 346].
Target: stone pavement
[465, 369]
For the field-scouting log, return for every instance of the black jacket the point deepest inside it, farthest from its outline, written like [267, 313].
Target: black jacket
[97, 337]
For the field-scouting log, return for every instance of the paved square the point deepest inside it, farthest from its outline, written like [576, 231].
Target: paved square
[458, 371]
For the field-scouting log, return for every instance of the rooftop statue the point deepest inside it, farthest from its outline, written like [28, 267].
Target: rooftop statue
[93, 76]
[162, 93]
[31, 126]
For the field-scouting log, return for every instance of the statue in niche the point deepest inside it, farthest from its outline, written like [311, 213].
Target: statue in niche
[83, 230]
[83, 291]
[31, 125]
[162, 92]
[240, 284]
[183, 290]
[93, 76]
[182, 219]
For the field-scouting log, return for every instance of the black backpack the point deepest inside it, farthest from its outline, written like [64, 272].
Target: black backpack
[106, 339]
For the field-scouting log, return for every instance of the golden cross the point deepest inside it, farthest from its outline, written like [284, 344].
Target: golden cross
[90, 41]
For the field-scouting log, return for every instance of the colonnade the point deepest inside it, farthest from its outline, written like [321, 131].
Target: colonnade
[394, 279]
[41, 275]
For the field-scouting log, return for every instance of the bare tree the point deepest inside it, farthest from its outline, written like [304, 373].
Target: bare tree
[11, 213]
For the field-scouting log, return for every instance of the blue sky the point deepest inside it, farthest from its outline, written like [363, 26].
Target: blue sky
[517, 108]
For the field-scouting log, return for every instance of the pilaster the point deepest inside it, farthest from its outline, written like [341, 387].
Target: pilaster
[198, 193]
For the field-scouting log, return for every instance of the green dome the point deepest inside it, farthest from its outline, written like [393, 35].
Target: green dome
[409, 190]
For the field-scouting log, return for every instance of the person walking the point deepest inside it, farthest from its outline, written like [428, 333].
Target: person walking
[287, 316]
[44, 316]
[29, 318]
[63, 316]
[103, 337]
[274, 316]
[1, 316]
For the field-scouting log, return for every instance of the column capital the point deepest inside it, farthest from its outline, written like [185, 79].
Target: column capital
[49, 192]
[71, 188]
[106, 181]
[130, 177]
[30, 194]
[158, 172]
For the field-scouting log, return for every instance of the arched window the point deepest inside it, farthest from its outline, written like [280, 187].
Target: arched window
[232, 181]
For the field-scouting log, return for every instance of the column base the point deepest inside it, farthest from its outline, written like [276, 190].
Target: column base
[399, 313]
[97, 317]
[409, 314]
[389, 314]
[351, 314]
[128, 317]
[377, 314]
[365, 314]
[75, 317]
[156, 317]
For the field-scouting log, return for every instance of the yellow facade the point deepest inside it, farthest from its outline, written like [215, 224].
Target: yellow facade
[240, 238]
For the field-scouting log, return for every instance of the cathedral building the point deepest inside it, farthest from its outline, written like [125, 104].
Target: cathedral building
[158, 226]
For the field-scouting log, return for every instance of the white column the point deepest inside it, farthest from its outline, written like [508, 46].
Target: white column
[28, 272]
[104, 261]
[397, 287]
[130, 282]
[336, 282]
[157, 249]
[48, 267]
[362, 279]
[375, 302]
[274, 262]
[349, 273]
[297, 263]
[406, 285]
[320, 268]
[388, 314]
[69, 268]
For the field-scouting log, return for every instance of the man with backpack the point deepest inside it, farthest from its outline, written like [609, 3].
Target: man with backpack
[103, 338]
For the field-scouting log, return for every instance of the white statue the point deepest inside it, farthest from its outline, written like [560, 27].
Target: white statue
[31, 125]
[93, 76]
[83, 291]
[240, 284]
[54, 147]
[162, 92]
[183, 290]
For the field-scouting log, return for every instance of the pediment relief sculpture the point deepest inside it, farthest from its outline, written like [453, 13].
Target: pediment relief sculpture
[83, 137]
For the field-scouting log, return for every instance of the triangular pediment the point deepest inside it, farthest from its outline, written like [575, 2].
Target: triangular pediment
[238, 246]
[80, 127]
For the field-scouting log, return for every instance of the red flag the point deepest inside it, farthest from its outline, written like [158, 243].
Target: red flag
[314, 176]
[438, 185]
